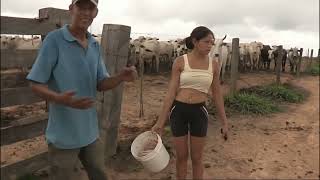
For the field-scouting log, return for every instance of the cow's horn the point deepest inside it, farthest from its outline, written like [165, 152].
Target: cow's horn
[224, 37]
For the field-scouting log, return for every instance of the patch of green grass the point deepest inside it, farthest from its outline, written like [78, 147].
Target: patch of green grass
[276, 92]
[246, 103]
[28, 177]
[314, 69]
[261, 100]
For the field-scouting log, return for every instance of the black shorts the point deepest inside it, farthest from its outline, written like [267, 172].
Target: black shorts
[188, 117]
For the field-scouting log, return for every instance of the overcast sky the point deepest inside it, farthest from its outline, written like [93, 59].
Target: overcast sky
[292, 23]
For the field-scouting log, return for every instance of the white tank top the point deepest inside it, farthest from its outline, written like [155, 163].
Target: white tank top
[197, 79]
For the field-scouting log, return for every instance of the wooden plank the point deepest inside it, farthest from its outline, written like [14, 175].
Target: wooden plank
[311, 58]
[55, 16]
[15, 170]
[141, 66]
[279, 63]
[234, 64]
[17, 96]
[24, 128]
[49, 19]
[23, 58]
[14, 79]
[114, 43]
[25, 26]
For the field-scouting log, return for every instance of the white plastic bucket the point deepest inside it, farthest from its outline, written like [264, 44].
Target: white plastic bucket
[154, 160]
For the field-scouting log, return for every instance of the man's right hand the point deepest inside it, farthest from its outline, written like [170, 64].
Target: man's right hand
[67, 99]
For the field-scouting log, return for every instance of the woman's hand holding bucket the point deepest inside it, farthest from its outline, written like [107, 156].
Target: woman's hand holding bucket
[157, 128]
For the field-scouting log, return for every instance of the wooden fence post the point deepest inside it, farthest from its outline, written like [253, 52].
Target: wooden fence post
[54, 15]
[318, 54]
[141, 69]
[299, 63]
[114, 43]
[234, 64]
[311, 58]
[279, 63]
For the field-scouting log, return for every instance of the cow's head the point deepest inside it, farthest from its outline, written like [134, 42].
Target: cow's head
[141, 38]
[295, 52]
[218, 43]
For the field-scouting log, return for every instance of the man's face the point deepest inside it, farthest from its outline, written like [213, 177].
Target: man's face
[83, 12]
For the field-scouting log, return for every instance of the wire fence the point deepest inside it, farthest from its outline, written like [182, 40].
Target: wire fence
[161, 36]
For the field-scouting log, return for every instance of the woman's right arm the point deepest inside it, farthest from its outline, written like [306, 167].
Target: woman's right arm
[172, 92]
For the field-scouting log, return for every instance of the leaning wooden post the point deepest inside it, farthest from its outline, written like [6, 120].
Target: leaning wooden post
[234, 64]
[311, 58]
[318, 54]
[299, 63]
[279, 60]
[141, 68]
[114, 44]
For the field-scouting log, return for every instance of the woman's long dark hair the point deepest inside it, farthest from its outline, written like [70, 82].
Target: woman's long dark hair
[198, 33]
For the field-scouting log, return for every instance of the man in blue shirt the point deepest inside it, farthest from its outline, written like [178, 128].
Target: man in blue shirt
[67, 73]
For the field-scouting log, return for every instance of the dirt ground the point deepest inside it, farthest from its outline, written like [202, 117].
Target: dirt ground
[282, 146]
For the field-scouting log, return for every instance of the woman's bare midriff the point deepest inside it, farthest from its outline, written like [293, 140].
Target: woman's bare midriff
[190, 96]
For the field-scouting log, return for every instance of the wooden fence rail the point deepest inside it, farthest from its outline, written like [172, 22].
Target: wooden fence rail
[12, 171]
[18, 96]
[13, 79]
[24, 128]
[22, 58]
[49, 19]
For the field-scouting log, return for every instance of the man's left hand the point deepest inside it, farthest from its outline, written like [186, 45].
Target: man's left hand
[129, 74]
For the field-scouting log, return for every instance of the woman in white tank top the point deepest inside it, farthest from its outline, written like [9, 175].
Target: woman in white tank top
[194, 75]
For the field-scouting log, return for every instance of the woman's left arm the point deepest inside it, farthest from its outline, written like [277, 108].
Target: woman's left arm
[218, 97]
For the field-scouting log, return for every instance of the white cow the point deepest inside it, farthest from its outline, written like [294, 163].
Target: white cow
[220, 50]
[20, 42]
[132, 58]
[244, 56]
[136, 52]
[228, 63]
[166, 52]
[255, 51]
[293, 56]
[149, 50]
[224, 59]
[151, 54]
[271, 55]
[180, 47]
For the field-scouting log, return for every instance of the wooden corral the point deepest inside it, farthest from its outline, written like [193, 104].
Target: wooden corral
[15, 90]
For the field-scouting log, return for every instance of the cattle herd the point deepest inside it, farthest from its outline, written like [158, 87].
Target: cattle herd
[252, 56]
[156, 55]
